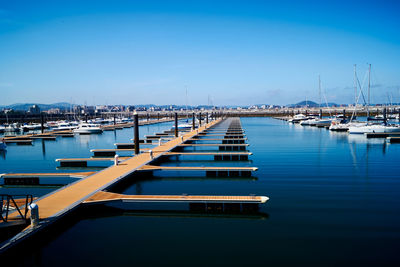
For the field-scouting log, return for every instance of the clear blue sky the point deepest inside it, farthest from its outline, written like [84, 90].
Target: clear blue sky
[238, 52]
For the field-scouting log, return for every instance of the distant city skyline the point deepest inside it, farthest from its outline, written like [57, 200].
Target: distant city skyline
[229, 52]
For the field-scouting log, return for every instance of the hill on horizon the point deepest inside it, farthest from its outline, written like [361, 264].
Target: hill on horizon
[43, 107]
[311, 104]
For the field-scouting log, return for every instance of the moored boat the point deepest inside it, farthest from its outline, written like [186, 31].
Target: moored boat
[88, 128]
[297, 118]
[374, 128]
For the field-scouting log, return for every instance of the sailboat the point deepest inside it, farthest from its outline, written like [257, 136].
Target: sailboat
[343, 125]
[373, 127]
[319, 122]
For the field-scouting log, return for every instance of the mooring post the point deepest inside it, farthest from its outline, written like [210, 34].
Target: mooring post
[136, 132]
[42, 122]
[344, 114]
[193, 121]
[200, 119]
[158, 116]
[320, 113]
[384, 115]
[176, 124]
[207, 117]
[148, 116]
[114, 120]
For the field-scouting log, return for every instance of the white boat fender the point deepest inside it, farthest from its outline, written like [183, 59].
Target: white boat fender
[116, 160]
[151, 154]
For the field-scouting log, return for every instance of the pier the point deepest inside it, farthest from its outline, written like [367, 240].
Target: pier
[89, 188]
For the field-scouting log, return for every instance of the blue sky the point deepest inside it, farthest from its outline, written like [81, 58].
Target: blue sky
[236, 52]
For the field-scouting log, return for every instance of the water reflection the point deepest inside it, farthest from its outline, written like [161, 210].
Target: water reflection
[43, 149]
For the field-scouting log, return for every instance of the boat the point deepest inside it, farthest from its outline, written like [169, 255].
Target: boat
[322, 122]
[65, 126]
[183, 126]
[309, 120]
[2, 128]
[344, 125]
[12, 128]
[31, 127]
[374, 128]
[88, 128]
[298, 118]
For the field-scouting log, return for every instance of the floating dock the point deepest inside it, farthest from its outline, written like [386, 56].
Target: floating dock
[103, 197]
[55, 205]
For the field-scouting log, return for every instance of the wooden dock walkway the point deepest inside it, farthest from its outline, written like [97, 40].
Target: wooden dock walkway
[57, 174]
[206, 145]
[102, 197]
[17, 179]
[195, 168]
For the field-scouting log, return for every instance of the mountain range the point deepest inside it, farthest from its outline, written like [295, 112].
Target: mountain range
[43, 107]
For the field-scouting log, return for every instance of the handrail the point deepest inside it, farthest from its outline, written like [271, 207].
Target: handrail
[5, 205]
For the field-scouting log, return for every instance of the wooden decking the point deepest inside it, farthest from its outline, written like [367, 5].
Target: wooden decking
[202, 145]
[57, 174]
[219, 139]
[89, 159]
[208, 153]
[198, 168]
[101, 197]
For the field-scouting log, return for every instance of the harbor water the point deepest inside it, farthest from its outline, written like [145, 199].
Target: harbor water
[334, 200]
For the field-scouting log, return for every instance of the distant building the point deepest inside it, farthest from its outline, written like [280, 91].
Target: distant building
[34, 109]
[90, 110]
[54, 111]
[101, 109]
[130, 108]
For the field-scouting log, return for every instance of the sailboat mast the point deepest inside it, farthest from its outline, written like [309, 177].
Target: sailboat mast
[319, 91]
[369, 89]
[187, 112]
[355, 85]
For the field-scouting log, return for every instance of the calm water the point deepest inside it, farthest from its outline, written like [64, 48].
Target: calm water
[334, 200]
